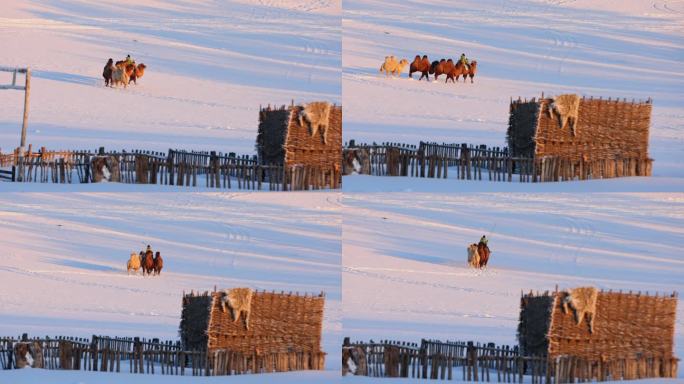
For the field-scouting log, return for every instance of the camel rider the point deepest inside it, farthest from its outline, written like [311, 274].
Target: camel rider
[464, 61]
[130, 61]
[484, 240]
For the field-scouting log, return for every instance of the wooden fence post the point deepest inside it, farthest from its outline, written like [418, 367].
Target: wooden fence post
[94, 352]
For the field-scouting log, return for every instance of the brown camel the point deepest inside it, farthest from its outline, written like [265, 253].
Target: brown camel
[107, 72]
[483, 251]
[443, 67]
[458, 70]
[470, 71]
[158, 263]
[421, 65]
[137, 73]
[148, 262]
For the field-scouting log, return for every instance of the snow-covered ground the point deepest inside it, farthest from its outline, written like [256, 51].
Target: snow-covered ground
[366, 183]
[358, 379]
[404, 257]
[72, 377]
[63, 258]
[610, 48]
[210, 64]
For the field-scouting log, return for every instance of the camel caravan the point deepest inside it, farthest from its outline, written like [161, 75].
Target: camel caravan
[148, 261]
[123, 72]
[447, 67]
[478, 254]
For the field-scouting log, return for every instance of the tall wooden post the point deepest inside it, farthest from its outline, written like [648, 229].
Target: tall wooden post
[27, 95]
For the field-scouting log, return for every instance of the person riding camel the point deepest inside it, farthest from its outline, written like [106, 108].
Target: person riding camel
[484, 240]
[129, 60]
[464, 61]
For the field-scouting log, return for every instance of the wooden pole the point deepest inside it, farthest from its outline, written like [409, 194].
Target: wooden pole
[27, 95]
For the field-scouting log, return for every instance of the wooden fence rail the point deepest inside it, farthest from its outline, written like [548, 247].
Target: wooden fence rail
[466, 162]
[140, 356]
[488, 362]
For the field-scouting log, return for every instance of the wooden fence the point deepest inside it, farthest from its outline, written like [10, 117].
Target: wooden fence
[468, 162]
[140, 356]
[487, 362]
[180, 168]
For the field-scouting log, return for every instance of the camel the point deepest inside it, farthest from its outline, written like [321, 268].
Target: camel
[238, 300]
[473, 256]
[119, 76]
[107, 72]
[158, 263]
[393, 67]
[436, 68]
[484, 252]
[137, 73]
[400, 67]
[443, 67]
[148, 262]
[470, 71]
[134, 263]
[121, 64]
[421, 65]
[448, 69]
[458, 70]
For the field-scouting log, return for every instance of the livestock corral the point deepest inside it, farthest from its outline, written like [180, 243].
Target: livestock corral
[236, 331]
[600, 325]
[549, 139]
[299, 148]
[302, 136]
[279, 331]
[625, 336]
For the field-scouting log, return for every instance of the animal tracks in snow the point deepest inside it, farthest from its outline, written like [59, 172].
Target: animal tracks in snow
[399, 276]
[673, 7]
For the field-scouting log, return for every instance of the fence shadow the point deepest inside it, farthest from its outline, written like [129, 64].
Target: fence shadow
[66, 77]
